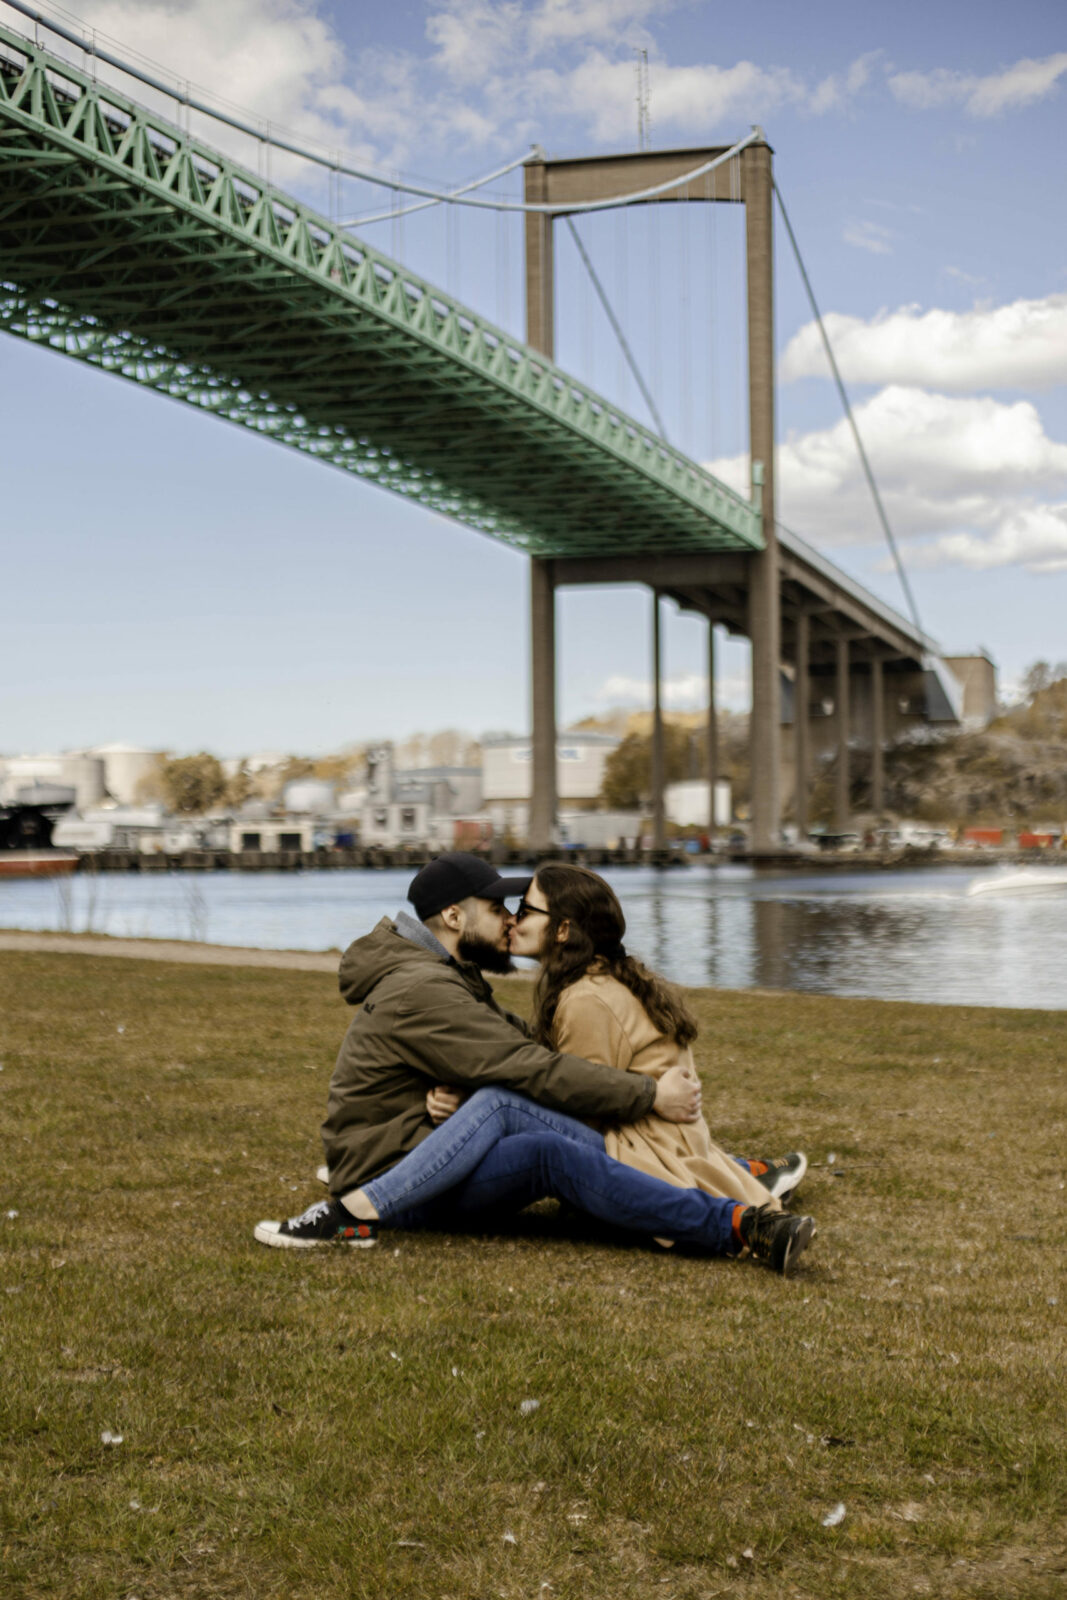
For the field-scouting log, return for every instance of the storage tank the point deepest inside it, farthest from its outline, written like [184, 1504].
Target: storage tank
[82, 773]
[309, 796]
[126, 766]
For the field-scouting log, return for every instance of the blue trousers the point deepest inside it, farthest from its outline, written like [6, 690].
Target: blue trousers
[501, 1152]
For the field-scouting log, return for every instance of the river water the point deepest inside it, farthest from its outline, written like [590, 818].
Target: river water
[902, 935]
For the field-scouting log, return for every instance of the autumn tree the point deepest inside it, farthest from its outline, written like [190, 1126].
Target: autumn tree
[192, 784]
[239, 786]
[627, 781]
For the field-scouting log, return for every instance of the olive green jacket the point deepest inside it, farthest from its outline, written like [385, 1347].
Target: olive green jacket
[422, 1019]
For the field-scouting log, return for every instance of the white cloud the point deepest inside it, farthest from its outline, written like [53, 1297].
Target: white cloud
[968, 481]
[969, 279]
[869, 236]
[1023, 344]
[556, 22]
[686, 692]
[527, 65]
[272, 59]
[697, 98]
[1017, 86]
[835, 91]
[472, 36]
[1034, 537]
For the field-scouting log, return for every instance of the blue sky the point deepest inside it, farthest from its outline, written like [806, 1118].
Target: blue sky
[170, 581]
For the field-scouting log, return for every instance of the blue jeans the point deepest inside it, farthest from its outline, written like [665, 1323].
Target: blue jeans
[526, 1167]
[507, 1152]
[453, 1150]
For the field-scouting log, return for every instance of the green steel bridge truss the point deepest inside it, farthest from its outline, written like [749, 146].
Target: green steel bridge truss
[127, 244]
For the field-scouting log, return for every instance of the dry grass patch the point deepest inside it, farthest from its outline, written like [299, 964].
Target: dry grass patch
[349, 1424]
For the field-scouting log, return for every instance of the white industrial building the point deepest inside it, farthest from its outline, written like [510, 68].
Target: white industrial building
[507, 769]
[271, 834]
[82, 778]
[686, 803]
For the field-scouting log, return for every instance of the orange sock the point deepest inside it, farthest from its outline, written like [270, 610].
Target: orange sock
[735, 1226]
[757, 1168]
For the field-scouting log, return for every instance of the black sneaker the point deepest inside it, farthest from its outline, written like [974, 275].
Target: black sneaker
[774, 1236]
[782, 1175]
[326, 1222]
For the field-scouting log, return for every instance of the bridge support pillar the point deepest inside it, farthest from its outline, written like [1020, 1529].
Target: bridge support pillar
[659, 820]
[542, 824]
[540, 335]
[841, 706]
[764, 618]
[877, 735]
[801, 740]
[712, 736]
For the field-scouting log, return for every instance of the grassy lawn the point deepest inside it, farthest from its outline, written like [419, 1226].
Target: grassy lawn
[350, 1424]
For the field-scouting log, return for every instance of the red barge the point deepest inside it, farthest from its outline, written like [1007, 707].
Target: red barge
[36, 863]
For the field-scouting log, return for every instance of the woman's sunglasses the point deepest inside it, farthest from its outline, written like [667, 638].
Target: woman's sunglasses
[524, 909]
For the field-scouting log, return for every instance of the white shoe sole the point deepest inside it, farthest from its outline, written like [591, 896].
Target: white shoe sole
[786, 1182]
[798, 1244]
[323, 1175]
[268, 1233]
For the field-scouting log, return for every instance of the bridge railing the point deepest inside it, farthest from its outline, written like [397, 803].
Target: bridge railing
[42, 91]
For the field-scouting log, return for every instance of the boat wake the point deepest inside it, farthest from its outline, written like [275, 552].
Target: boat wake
[1028, 880]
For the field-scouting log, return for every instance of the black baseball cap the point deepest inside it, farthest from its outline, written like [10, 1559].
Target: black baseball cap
[454, 877]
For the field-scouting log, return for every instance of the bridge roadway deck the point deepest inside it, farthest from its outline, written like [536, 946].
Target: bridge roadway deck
[128, 244]
[716, 586]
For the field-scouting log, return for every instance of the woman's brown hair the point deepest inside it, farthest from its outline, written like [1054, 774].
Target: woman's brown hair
[597, 926]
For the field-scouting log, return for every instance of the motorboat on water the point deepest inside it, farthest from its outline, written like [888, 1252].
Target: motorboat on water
[1028, 880]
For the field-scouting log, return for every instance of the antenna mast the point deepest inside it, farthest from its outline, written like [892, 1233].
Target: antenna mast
[644, 112]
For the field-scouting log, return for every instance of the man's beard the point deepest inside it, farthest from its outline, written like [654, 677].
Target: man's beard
[486, 956]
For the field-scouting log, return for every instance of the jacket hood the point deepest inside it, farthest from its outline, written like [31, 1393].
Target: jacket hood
[378, 954]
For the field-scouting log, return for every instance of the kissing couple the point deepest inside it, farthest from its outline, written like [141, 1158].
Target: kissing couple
[445, 1111]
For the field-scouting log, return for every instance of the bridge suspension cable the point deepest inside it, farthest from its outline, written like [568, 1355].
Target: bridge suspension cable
[451, 196]
[617, 328]
[365, 174]
[842, 391]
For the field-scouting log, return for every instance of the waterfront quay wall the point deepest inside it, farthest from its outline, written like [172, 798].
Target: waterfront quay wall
[371, 858]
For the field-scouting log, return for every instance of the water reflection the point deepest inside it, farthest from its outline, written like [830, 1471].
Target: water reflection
[910, 936]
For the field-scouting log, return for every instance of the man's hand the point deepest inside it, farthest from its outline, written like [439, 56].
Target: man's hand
[677, 1096]
[442, 1102]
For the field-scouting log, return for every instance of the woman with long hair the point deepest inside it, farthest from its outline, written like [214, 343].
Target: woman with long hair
[498, 1151]
[594, 999]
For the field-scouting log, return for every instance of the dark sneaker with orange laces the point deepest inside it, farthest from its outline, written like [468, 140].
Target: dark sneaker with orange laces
[774, 1236]
[782, 1175]
[326, 1222]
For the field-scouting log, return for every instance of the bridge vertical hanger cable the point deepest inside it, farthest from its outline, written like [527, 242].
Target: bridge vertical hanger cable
[616, 327]
[652, 298]
[684, 341]
[621, 223]
[843, 393]
[589, 345]
[710, 238]
[744, 443]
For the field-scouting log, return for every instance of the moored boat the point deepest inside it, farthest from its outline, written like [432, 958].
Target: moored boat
[36, 863]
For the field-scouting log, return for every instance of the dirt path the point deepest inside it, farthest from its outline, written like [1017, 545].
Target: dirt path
[210, 955]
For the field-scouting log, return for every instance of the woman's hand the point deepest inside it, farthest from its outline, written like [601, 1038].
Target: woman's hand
[442, 1102]
[678, 1096]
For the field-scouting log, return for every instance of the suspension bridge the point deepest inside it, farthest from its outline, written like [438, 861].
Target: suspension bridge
[128, 244]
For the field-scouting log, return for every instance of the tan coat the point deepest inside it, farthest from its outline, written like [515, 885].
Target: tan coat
[421, 1019]
[598, 1018]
